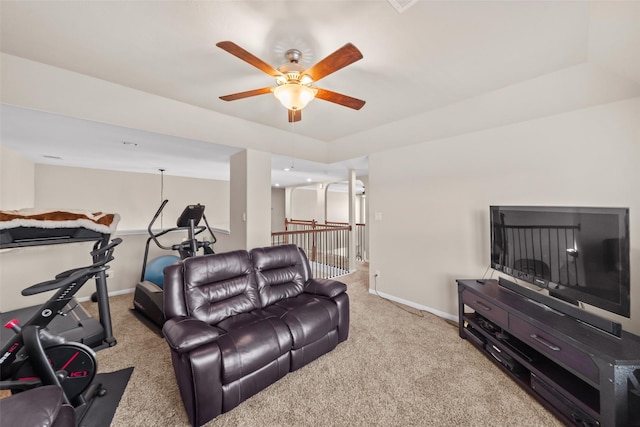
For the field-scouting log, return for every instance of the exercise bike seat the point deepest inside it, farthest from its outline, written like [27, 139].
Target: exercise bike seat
[42, 406]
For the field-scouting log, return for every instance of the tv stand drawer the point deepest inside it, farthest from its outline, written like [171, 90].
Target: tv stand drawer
[486, 309]
[554, 348]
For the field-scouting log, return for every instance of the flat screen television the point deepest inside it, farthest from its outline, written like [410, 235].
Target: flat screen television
[580, 254]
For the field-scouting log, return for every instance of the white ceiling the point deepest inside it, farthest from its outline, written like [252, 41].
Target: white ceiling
[438, 69]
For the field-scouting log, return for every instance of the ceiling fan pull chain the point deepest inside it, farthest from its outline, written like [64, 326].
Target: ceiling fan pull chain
[293, 146]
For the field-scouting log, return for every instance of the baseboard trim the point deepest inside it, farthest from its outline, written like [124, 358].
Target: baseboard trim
[415, 305]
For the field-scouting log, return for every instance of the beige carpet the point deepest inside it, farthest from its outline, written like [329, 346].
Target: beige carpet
[396, 369]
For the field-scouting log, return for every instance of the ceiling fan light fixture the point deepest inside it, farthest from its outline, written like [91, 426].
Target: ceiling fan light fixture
[294, 96]
[294, 82]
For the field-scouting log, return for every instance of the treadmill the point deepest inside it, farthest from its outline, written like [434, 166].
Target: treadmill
[18, 229]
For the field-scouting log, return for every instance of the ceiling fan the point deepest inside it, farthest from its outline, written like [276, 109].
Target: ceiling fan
[293, 82]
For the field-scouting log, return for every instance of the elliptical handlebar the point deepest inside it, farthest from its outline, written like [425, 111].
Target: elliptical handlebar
[192, 226]
[213, 236]
[152, 234]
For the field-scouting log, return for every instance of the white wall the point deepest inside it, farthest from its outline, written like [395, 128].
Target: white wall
[15, 168]
[338, 206]
[258, 213]
[304, 204]
[135, 196]
[308, 203]
[250, 216]
[278, 209]
[432, 199]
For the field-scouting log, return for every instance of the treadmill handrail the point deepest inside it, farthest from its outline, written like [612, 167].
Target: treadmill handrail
[79, 276]
[109, 248]
[76, 275]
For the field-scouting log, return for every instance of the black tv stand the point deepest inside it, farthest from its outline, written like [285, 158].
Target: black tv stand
[606, 325]
[584, 376]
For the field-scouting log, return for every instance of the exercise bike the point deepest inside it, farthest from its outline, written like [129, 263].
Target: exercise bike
[148, 295]
[34, 356]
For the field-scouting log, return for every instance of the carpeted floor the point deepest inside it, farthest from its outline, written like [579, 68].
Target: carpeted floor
[398, 368]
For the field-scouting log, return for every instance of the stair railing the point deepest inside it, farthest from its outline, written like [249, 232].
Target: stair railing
[326, 245]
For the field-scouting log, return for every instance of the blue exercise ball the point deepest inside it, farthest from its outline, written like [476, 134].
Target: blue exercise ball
[153, 272]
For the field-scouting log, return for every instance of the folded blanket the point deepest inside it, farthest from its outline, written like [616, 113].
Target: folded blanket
[97, 221]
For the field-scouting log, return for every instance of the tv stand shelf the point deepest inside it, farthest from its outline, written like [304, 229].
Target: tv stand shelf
[584, 376]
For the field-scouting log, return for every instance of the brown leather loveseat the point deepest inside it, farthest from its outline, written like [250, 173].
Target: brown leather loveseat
[239, 321]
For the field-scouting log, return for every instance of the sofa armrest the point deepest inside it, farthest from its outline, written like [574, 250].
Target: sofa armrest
[325, 287]
[183, 334]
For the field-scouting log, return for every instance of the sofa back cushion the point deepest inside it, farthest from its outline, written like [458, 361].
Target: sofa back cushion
[281, 272]
[211, 287]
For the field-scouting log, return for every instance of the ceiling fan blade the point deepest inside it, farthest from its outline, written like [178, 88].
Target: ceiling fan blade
[247, 94]
[239, 52]
[339, 98]
[347, 54]
[295, 115]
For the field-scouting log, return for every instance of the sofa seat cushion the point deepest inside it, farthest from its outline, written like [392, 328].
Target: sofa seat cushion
[310, 352]
[308, 317]
[250, 343]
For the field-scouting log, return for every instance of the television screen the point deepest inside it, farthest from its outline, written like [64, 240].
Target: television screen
[578, 253]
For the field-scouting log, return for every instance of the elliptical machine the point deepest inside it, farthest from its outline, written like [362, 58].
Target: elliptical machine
[35, 356]
[148, 296]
